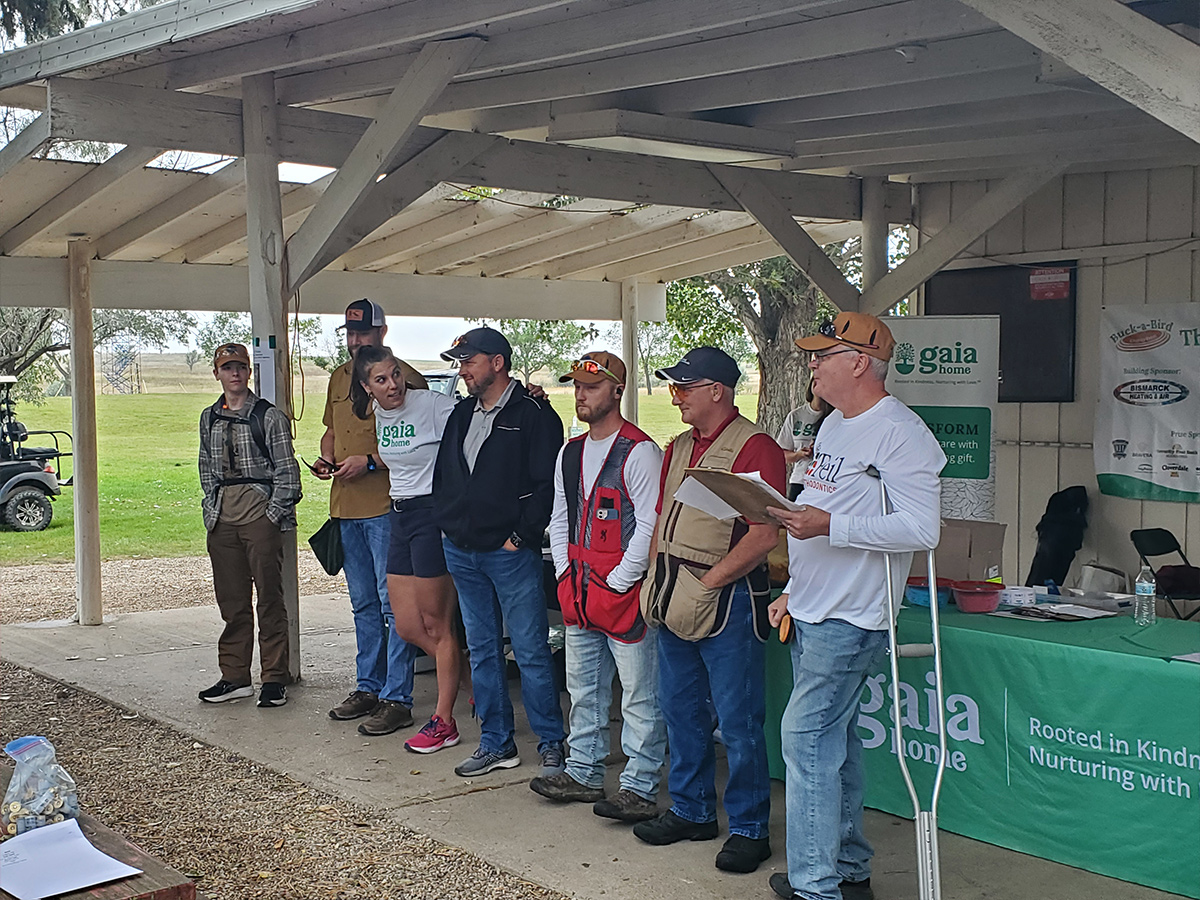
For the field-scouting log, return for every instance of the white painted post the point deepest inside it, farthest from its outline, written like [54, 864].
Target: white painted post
[875, 230]
[268, 302]
[629, 327]
[89, 604]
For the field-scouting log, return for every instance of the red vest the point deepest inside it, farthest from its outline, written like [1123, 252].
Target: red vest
[600, 526]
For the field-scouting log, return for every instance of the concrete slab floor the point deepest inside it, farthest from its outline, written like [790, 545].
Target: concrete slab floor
[155, 662]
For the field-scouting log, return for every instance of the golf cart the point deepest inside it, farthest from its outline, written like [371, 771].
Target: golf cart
[29, 476]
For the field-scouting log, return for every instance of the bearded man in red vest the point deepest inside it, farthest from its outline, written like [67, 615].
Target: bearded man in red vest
[606, 485]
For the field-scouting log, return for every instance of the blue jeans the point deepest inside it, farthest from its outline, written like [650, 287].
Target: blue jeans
[823, 753]
[593, 658]
[497, 588]
[729, 667]
[384, 663]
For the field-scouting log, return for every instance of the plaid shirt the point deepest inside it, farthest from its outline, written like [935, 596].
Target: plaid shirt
[283, 492]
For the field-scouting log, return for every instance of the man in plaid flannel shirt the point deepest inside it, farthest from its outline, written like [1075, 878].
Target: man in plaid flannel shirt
[251, 485]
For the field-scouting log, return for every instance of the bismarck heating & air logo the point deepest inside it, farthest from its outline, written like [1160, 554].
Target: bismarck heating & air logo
[1150, 392]
[1142, 336]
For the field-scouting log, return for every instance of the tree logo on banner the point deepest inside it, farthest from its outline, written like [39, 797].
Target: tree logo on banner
[906, 355]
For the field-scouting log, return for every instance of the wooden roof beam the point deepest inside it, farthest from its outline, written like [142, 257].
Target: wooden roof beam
[30, 140]
[574, 263]
[95, 182]
[838, 35]
[957, 236]
[806, 253]
[330, 228]
[679, 254]
[470, 216]
[518, 236]
[207, 188]
[1131, 55]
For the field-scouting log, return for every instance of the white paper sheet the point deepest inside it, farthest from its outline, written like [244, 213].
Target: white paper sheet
[55, 859]
[1188, 657]
[693, 493]
[1030, 613]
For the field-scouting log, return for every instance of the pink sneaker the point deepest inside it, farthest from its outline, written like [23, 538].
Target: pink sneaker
[433, 737]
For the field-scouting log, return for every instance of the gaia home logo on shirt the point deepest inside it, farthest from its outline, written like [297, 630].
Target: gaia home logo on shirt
[396, 435]
[936, 360]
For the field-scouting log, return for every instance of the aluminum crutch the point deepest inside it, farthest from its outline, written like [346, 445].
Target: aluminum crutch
[928, 866]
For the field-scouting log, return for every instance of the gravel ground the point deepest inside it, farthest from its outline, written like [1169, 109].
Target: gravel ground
[47, 591]
[240, 830]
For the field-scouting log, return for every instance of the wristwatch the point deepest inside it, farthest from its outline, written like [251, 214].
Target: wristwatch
[516, 540]
[370, 463]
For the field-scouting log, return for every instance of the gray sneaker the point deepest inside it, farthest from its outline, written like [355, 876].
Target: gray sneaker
[553, 760]
[483, 761]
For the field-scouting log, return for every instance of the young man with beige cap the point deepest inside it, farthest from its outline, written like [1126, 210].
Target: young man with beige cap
[837, 596]
[605, 494]
[251, 485]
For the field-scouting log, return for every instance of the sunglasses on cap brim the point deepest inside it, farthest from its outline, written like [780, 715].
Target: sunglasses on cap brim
[828, 330]
[593, 368]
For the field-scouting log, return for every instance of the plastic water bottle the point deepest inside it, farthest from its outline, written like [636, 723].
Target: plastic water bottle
[1143, 604]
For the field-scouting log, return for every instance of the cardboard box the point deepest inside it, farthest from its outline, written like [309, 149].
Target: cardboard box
[969, 551]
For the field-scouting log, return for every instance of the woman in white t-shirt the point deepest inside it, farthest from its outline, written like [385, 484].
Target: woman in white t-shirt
[409, 426]
[797, 435]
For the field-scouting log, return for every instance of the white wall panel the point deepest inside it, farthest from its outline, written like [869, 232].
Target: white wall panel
[1085, 210]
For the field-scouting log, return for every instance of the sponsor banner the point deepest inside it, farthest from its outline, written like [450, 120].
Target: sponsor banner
[1147, 437]
[1039, 759]
[946, 368]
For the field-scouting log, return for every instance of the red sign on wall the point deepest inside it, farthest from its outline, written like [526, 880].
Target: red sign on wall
[1051, 283]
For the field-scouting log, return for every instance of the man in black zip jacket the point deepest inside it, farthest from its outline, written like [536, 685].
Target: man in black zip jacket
[493, 490]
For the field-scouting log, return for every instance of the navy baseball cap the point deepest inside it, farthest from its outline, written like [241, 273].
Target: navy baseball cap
[703, 364]
[479, 340]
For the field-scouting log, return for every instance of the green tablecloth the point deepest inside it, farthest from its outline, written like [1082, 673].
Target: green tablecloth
[1072, 741]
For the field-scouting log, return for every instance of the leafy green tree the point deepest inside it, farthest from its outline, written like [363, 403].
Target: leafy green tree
[543, 344]
[333, 355]
[30, 337]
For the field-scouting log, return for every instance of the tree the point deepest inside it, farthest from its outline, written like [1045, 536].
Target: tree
[191, 358]
[543, 344]
[335, 354]
[28, 337]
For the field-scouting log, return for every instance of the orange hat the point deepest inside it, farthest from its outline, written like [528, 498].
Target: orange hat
[230, 353]
[858, 331]
[595, 367]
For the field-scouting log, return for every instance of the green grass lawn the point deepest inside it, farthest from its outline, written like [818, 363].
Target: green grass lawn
[149, 487]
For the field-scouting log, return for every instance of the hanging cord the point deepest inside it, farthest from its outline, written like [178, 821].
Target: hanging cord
[294, 348]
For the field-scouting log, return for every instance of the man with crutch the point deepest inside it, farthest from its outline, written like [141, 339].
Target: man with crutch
[838, 542]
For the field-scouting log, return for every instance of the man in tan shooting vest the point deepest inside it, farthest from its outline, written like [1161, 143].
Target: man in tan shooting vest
[708, 590]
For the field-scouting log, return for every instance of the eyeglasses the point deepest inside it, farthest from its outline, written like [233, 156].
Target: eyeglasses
[818, 358]
[593, 368]
[829, 331]
[678, 389]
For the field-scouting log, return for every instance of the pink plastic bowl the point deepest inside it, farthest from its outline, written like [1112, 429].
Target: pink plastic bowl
[977, 596]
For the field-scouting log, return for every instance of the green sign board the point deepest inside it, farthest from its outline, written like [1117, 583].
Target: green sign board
[965, 433]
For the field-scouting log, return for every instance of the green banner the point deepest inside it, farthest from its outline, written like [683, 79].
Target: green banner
[965, 433]
[1077, 742]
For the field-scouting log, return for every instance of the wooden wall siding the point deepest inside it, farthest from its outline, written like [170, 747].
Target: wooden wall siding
[1084, 210]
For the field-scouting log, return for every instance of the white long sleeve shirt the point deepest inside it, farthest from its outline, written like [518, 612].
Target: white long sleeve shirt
[642, 471]
[841, 576]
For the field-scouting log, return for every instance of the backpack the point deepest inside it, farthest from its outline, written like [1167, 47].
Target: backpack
[258, 432]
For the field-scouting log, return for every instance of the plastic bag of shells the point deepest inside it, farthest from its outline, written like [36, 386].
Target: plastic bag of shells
[40, 792]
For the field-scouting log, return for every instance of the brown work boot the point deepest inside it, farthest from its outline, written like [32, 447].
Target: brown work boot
[626, 806]
[357, 705]
[389, 716]
[565, 789]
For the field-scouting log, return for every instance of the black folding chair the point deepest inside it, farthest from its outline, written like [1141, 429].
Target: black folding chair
[1160, 542]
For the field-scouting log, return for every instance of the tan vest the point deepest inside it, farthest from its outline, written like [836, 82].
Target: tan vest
[673, 595]
[683, 531]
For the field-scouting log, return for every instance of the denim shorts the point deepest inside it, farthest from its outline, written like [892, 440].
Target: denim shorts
[415, 547]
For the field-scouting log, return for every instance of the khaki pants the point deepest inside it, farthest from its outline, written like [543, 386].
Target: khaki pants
[245, 555]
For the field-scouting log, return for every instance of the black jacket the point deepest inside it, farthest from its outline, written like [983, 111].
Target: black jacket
[512, 486]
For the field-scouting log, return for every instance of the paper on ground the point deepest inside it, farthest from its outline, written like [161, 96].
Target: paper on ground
[55, 859]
